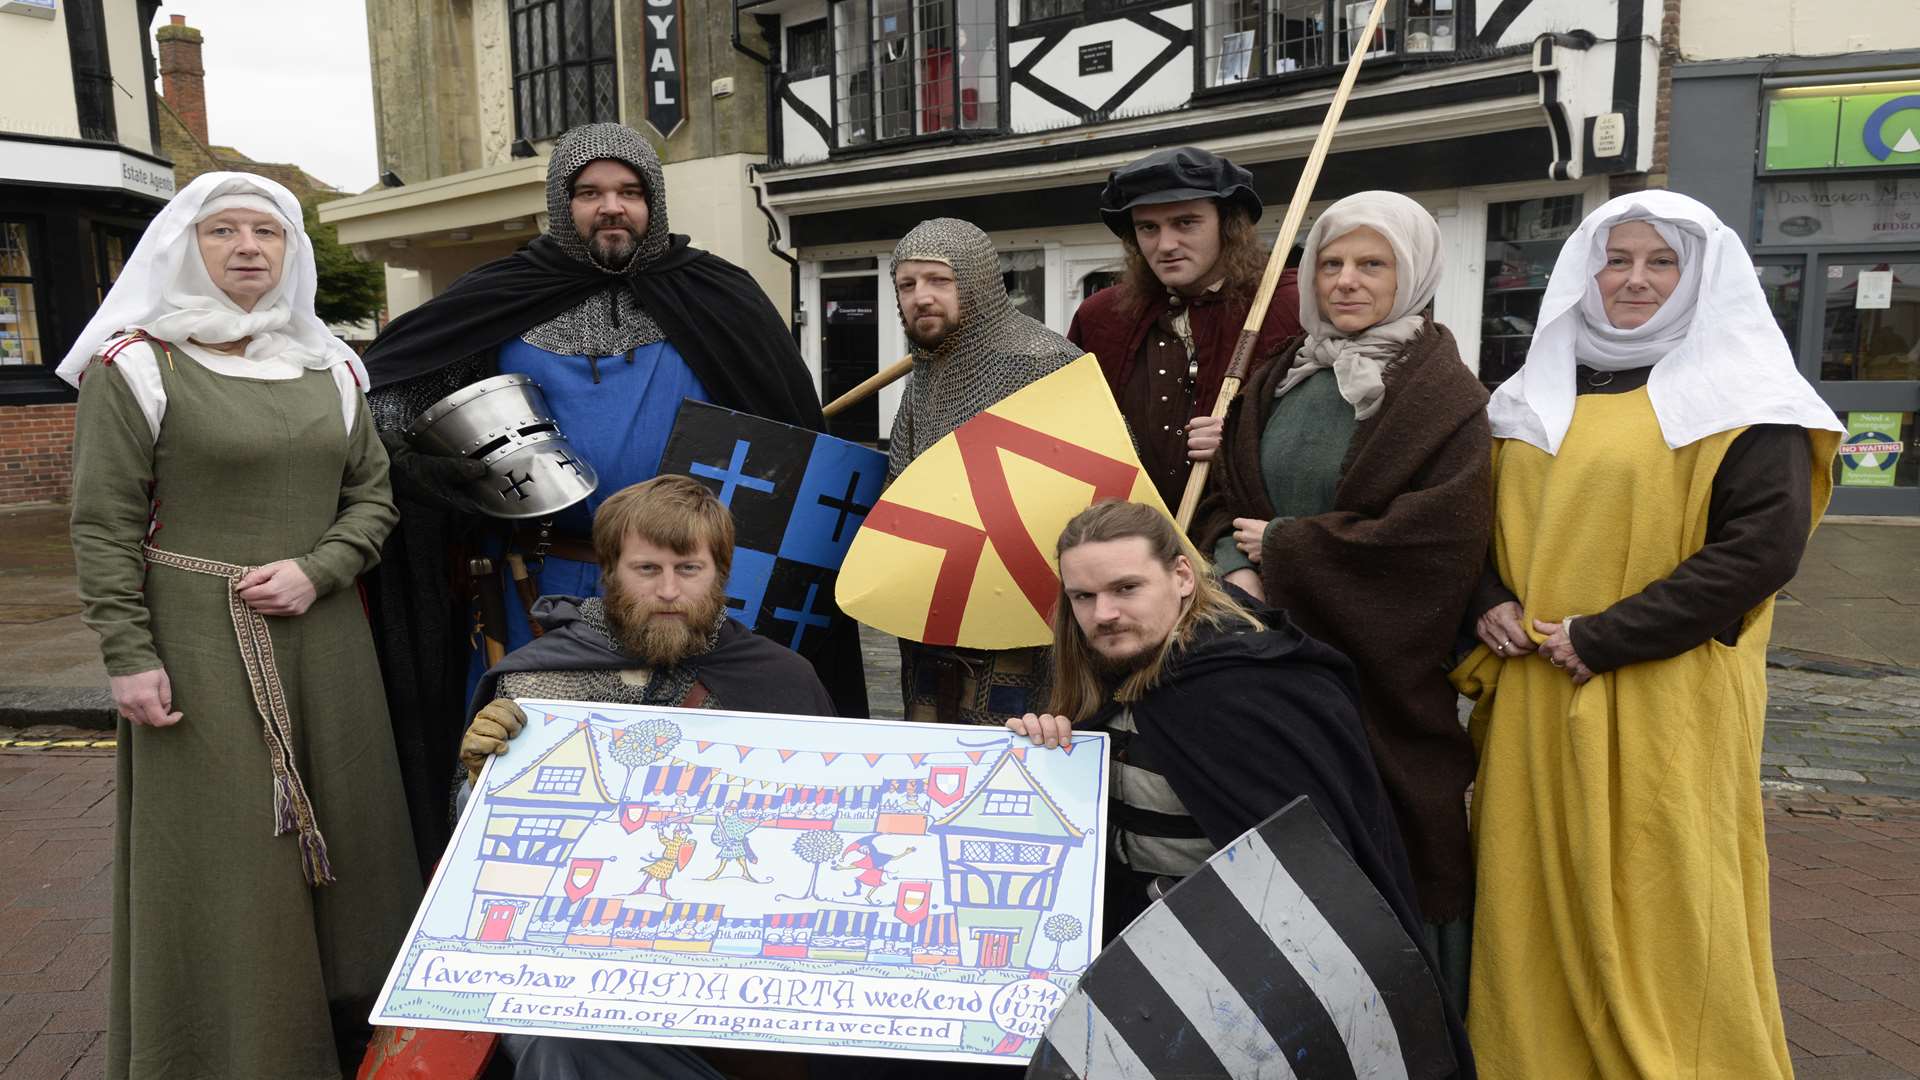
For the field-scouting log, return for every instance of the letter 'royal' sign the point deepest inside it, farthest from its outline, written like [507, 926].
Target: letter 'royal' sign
[666, 82]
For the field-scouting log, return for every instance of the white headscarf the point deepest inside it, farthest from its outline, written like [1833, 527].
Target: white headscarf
[165, 290]
[1359, 361]
[1719, 360]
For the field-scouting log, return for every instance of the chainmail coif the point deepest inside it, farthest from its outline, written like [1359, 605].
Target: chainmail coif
[610, 321]
[994, 351]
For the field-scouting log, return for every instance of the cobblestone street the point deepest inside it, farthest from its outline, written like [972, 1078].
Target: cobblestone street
[1854, 734]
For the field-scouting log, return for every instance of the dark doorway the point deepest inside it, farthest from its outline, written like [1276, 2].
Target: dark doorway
[850, 351]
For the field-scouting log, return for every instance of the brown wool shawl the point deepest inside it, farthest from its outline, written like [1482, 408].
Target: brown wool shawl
[1385, 578]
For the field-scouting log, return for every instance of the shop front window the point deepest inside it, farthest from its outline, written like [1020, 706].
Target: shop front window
[1870, 329]
[1781, 282]
[1254, 39]
[1523, 240]
[19, 307]
[1025, 275]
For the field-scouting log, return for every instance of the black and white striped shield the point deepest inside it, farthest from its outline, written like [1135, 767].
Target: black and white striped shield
[1277, 959]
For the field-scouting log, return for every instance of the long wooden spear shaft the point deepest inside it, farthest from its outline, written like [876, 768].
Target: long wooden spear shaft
[1276, 262]
[872, 385]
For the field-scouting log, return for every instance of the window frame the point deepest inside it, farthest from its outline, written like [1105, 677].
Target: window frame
[36, 280]
[92, 69]
[1394, 23]
[959, 130]
[599, 54]
[1090, 11]
[824, 24]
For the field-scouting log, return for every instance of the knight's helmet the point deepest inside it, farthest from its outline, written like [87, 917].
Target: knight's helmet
[504, 423]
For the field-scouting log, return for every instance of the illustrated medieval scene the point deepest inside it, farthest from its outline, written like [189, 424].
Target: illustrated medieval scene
[734, 843]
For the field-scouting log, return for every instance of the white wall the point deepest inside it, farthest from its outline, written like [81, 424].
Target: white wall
[1723, 29]
[36, 76]
[710, 200]
[130, 115]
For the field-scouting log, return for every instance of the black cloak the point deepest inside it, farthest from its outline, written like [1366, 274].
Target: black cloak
[744, 671]
[1242, 723]
[730, 336]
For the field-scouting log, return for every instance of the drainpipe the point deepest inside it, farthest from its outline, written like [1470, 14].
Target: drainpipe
[759, 189]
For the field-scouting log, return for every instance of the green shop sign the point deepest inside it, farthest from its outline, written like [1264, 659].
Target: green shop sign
[1866, 125]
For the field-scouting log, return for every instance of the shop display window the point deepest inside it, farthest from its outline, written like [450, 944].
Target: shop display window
[1523, 240]
[1025, 275]
[1870, 320]
[1785, 297]
[19, 308]
[915, 67]
[1254, 39]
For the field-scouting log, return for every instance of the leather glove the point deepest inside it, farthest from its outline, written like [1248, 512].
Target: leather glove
[496, 722]
[430, 479]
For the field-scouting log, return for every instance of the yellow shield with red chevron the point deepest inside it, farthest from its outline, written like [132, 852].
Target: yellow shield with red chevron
[959, 550]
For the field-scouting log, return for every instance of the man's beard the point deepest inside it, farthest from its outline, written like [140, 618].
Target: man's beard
[934, 340]
[611, 246]
[1114, 669]
[662, 642]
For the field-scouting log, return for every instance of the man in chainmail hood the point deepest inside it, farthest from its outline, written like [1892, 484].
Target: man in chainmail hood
[971, 348]
[619, 320]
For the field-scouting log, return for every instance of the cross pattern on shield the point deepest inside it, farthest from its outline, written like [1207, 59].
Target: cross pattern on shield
[1277, 958]
[797, 499]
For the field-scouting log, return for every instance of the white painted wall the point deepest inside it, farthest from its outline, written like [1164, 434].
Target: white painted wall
[130, 118]
[1722, 29]
[710, 200]
[36, 76]
[1602, 17]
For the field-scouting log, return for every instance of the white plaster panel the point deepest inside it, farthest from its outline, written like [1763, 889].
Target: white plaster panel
[799, 142]
[1134, 46]
[1030, 112]
[1169, 88]
[1726, 29]
[36, 78]
[1602, 17]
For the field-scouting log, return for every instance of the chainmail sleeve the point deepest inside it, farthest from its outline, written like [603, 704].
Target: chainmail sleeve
[394, 407]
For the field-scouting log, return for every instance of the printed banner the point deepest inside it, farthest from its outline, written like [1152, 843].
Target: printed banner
[815, 897]
[1871, 449]
[959, 551]
[797, 496]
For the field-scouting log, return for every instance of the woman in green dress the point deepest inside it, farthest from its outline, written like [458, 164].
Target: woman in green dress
[228, 490]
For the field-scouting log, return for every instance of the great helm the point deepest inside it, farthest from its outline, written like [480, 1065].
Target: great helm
[505, 424]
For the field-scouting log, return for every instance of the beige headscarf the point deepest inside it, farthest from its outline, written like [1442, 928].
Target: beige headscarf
[1359, 361]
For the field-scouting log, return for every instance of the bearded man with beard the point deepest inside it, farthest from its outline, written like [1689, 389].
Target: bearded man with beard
[619, 320]
[1221, 712]
[661, 636]
[971, 348]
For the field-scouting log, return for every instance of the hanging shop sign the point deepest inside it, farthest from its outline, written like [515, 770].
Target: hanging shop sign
[666, 51]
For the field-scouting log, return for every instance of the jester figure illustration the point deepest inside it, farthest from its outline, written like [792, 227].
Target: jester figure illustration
[730, 830]
[865, 856]
[676, 851]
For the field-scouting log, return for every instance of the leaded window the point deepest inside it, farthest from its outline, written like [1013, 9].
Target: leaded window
[914, 67]
[1245, 40]
[564, 73]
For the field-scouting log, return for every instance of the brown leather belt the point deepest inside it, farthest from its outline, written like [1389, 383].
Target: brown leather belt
[569, 546]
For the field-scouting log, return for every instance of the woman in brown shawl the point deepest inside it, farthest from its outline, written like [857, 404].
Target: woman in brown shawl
[1353, 491]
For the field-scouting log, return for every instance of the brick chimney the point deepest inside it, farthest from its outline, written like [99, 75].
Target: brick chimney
[183, 82]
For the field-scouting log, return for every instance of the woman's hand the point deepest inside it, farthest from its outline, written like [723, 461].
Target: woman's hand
[278, 588]
[1045, 729]
[1558, 649]
[145, 698]
[1504, 630]
[1249, 582]
[1249, 534]
[1203, 437]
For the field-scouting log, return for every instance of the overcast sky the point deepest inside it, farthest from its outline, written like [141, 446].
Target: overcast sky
[288, 80]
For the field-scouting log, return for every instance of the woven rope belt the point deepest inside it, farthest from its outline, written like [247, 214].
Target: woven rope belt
[292, 809]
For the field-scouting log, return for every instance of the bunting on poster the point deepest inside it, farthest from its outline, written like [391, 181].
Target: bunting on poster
[959, 551]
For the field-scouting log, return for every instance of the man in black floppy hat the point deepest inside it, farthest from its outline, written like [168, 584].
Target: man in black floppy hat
[1166, 332]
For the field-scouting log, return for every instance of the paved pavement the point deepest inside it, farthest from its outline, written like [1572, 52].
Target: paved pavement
[1841, 771]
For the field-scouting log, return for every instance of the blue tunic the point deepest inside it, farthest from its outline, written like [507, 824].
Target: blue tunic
[616, 412]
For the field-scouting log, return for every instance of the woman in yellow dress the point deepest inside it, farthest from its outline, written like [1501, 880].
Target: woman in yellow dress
[1658, 466]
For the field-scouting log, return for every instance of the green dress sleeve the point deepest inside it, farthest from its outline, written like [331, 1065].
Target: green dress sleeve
[1227, 557]
[112, 485]
[351, 546]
